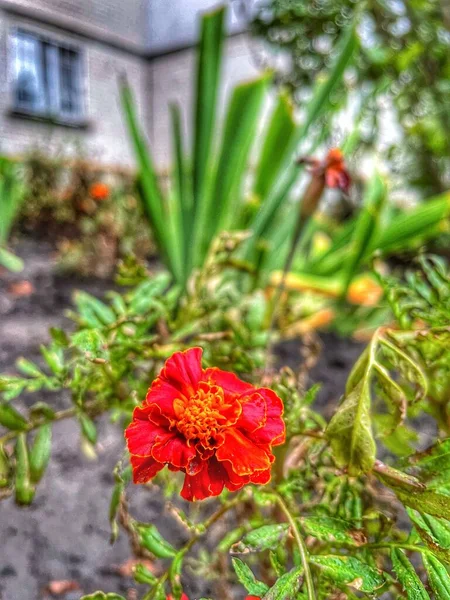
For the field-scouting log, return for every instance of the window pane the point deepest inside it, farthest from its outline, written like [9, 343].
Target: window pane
[29, 83]
[69, 81]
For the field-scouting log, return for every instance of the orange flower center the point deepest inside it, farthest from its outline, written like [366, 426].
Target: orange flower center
[201, 417]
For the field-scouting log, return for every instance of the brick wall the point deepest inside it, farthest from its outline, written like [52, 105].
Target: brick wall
[104, 137]
[155, 82]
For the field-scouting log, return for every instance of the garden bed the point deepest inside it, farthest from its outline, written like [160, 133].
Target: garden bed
[64, 534]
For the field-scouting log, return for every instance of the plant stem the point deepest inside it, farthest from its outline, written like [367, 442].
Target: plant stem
[408, 547]
[200, 533]
[301, 546]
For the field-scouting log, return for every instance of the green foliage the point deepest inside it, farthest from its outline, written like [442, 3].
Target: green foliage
[403, 56]
[12, 195]
[207, 192]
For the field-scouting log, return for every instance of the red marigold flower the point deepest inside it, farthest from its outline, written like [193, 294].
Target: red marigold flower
[99, 191]
[183, 597]
[336, 174]
[207, 423]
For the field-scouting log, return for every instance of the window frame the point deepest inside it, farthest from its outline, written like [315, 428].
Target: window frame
[47, 113]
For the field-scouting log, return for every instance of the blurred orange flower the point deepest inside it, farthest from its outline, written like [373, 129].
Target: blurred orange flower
[99, 191]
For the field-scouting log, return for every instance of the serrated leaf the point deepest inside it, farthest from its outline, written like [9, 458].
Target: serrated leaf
[347, 570]
[330, 529]
[286, 586]
[394, 397]
[267, 537]
[407, 576]
[433, 465]
[350, 432]
[413, 493]
[438, 577]
[247, 579]
[434, 532]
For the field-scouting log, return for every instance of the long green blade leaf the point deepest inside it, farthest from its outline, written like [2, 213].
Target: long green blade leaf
[209, 59]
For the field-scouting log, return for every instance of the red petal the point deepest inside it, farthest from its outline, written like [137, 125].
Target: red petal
[142, 435]
[144, 468]
[254, 412]
[174, 450]
[208, 482]
[235, 482]
[261, 477]
[227, 381]
[183, 370]
[245, 457]
[274, 430]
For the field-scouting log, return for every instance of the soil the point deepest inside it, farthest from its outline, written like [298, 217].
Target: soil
[64, 534]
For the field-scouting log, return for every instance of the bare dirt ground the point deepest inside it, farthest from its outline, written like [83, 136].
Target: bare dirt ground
[65, 534]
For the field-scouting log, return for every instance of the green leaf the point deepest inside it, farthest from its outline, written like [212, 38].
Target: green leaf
[24, 490]
[153, 541]
[413, 493]
[330, 529]
[86, 303]
[350, 432]
[40, 452]
[289, 171]
[28, 368]
[5, 468]
[275, 145]
[143, 575]
[434, 532]
[267, 537]
[88, 428]
[153, 200]
[433, 465]
[11, 419]
[181, 193]
[53, 358]
[247, 579]
[91, 342]
[438, 577]
[365, 228]
[10, 261]
[420, 221]
[239, 131]
[407, 576]
[347, 570]
[286, 586]
[59, 336]
[209, 59]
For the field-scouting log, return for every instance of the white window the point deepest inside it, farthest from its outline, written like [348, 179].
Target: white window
[47, 77]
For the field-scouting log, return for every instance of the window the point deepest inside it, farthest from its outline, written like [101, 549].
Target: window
[47, 78]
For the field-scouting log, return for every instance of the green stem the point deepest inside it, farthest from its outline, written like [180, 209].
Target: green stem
[200, 533]
[390, 545]
[301, 546]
